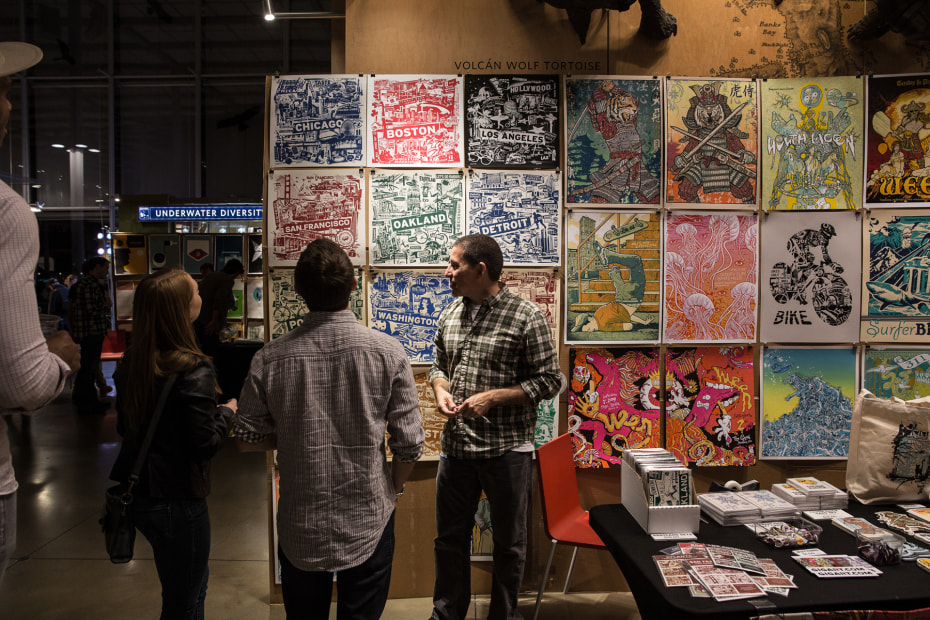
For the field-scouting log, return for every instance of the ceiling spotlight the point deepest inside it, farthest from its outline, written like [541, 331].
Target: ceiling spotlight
[269, 12]
[93, 150]
[81, 146]
[58, 146]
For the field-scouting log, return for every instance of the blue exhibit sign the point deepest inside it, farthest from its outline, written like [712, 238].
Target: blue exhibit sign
[172, 213]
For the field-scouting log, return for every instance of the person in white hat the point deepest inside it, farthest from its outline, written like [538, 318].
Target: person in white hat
[32, 369]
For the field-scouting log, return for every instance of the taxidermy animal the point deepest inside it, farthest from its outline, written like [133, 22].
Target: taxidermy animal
[656, 22]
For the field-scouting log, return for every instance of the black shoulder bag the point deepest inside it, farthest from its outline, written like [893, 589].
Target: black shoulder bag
[118, 526]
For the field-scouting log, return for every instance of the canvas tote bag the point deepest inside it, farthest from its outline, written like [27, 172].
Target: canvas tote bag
[889, 450]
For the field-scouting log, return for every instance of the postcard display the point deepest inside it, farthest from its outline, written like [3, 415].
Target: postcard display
[737, 245]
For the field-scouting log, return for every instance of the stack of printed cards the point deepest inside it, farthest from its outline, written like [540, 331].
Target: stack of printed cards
[770, 505]
[832, 566]
[852, 524]
[793, 495]
[722, 572]
[666, 480]
[922, 513]
[809, 493]
[729, 508]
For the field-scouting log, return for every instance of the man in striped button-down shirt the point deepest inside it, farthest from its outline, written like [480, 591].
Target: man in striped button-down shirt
[495, 360]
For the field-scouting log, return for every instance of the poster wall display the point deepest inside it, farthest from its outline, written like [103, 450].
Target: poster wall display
[432, 420]
[254, 298]
[547, 422]
[288, 309]
[415, 216]
[521, 210]
[896, 372]
[315, 204]
[812, 143]
[712, 149]
[613, 403]
[539, 286]
[807, 396]
[613, 281]
[255, 253]
[129, 255]
[317, 120]
[897, 123]
[896, 275]
[710, 277]
[164, 252]
[415, 121]
[198, 251]
[809, 289]
[406, 305]
[613, 153]
[125, 292]
[238, 291]
[511, 121]
[709, 408]
[228, 247]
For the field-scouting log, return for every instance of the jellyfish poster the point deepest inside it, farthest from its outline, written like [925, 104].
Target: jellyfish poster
[809, 283]
[315, 204]
[614, 403]
[896, 372]
[710, 277]
[415, 216]
[896, 274]
[897, 124]
[512, 121]
[406, 305]
[807, 398]
[540, 287]
[613, 282]
[254, 298]
[712, 145]
[614, 145]
[710, 415]
[812, 143]
[415, 120]
[288, 309]
[317, 120]
[521, 210]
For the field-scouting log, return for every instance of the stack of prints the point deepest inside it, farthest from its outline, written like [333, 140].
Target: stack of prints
[729, 508]
[666, 481]
[809, 493]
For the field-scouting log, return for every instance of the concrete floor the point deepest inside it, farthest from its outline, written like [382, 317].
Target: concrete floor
[60, 569]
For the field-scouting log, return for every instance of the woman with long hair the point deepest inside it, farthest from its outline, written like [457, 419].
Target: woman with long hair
[169, 505]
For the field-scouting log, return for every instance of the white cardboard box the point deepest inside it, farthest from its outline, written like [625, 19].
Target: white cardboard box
[655, 519]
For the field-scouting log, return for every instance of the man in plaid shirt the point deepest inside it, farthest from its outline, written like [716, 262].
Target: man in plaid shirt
[89, 316]
[495, 361]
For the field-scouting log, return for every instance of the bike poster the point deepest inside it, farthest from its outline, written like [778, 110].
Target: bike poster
[896, 274]
[317, 120]
[521, 210]
[540, 286]
[415, 121]
[613, 153]
[897, 126]
[807, 399]
[809, 280]
[896, 372]
[812, 143]
[710, 277]
[712, 143]
[614, 398]
[613, 276]
[406, 305]
[415, 216]
[512, 121]
[710, 418]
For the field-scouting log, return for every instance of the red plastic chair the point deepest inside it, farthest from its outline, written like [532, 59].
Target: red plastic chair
[563, 518]
[114, 345]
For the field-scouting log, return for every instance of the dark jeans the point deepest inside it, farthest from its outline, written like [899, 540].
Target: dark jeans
[362, 590]
[179, 532]
[507, 481]
[85, 381]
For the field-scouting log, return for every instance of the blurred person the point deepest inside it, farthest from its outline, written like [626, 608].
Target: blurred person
[216, 292]
[58, 303]
[89, 317]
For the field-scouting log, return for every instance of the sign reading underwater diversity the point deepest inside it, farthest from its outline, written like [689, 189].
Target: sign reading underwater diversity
[407, 305]
[812, 143]
[614, 145]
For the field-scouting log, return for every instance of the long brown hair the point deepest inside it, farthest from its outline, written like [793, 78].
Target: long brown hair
[163, 340]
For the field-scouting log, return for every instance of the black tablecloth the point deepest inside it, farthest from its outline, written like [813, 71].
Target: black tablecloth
[901, 587]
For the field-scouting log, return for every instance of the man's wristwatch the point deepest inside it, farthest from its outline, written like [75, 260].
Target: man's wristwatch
[399, 494]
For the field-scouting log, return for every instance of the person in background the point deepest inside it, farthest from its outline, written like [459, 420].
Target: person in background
[169, 502]
[32, 369]
[323, 395]
[58, 303]
[216, 292]
[89, 316]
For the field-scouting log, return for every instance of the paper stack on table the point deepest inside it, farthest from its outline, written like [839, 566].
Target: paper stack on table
[729, 508]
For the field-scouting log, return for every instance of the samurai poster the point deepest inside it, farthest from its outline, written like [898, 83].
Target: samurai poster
[315, 204]
[512, 121]
[896, 372]
[198, 251]
[812, 143]
[710, 415]
[810, 280]
[164, 252]
[317, 120]
[897, 168]
[415, 120]
[288, 309]
[896, 274]
[712, 129]
[614, 403]
[807, 398]
[613, 276]
[415, 216]
[614, 146]
[710, 277]
[540, 287]
[521, 210]
[407, 305]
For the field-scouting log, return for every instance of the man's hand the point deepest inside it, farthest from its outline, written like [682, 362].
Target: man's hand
[476, 406]
[61, 345]
[445, 403]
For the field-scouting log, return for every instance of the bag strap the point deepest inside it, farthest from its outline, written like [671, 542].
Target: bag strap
[150, 434]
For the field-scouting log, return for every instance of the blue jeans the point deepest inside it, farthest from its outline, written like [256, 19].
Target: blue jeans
[362, 590]
[7, 530]
[179, 532]
[507, 481]
[85, 381]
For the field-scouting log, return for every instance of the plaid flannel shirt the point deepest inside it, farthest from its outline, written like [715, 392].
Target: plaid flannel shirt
[89, 308]
[508, 343]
